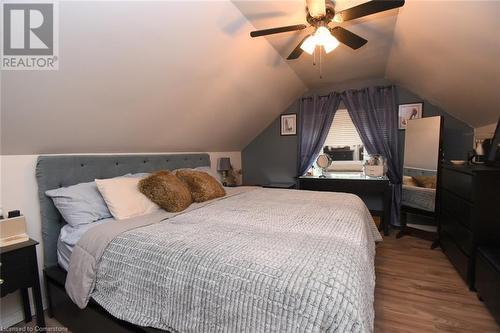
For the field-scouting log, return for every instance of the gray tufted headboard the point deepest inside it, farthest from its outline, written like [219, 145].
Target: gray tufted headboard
[57, 171]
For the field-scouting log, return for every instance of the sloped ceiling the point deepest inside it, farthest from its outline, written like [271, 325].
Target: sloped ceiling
[185, 76]
[448, 52]
[145, 77]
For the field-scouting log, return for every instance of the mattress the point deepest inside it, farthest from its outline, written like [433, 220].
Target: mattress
[69, 236]
[63, 254]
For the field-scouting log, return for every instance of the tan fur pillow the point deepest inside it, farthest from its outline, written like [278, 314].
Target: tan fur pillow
[203, 187]
[410, 181]
[426, 181]
[167, 191]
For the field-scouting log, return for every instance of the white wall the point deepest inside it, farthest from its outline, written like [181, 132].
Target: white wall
[137, 76]
[19, 191]
[485, 132]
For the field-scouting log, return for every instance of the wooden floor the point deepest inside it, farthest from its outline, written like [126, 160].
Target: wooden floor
[418, 291]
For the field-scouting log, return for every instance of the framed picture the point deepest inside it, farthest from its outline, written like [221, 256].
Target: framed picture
[407, 112]
[289, 124]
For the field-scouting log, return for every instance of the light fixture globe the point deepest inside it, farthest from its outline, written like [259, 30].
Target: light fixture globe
[325, 39]
[331, 44]
[321, 37]
[322, 34]
[309, 45]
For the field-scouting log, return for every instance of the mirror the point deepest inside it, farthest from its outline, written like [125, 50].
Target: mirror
[323, 161]
[420, 173]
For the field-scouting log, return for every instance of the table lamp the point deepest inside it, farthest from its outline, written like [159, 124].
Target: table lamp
[223, 166]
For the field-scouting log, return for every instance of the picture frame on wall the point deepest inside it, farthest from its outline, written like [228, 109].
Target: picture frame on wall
[407, 112]
[288, 124]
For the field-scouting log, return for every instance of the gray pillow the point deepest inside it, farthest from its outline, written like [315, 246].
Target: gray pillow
[82, 203]
[79, 204]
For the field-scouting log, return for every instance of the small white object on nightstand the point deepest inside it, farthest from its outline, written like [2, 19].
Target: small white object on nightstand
[13, 231]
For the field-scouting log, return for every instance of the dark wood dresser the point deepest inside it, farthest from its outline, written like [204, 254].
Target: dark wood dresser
[469, 214]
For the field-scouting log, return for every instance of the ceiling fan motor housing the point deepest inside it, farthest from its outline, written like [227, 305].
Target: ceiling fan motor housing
[323, 20]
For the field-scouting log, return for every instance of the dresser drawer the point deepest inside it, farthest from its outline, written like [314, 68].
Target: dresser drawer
[462, 236]
[457, 208]
[459, 259]
[458, 183]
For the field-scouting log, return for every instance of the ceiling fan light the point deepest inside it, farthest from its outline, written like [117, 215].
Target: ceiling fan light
[322, 35]
[309, 45]
[338, 18]
[331, 44]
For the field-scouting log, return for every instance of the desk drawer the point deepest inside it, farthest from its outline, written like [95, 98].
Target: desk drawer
[358, 187]
[462, 236]
[17, 269]
[13, 280]
[457, 208]
[458, 183]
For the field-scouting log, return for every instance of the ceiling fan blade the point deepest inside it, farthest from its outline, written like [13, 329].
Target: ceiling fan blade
[370, 7]
[297, 51]
[271, 31]
[316, 8]
[348, 38]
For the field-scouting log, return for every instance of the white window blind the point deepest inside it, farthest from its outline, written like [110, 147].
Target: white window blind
[342, 132]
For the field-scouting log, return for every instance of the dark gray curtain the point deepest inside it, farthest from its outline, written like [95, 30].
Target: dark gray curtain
[316, 116]
[374, 113]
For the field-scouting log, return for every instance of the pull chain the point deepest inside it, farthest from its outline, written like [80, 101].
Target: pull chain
[320, 72]
[317, 53]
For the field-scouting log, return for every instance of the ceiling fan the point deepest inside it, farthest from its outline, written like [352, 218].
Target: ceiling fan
[319, 14]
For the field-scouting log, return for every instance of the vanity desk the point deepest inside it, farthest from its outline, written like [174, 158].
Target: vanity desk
[376, 192]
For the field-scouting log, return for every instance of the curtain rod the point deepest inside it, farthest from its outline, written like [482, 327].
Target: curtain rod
[311, 97]
[321, 96]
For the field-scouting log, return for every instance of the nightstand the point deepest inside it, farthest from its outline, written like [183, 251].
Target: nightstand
[19, 270]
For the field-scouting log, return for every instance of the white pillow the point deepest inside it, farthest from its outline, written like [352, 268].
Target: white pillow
[123, 197]
[210, 172]
[204, 169]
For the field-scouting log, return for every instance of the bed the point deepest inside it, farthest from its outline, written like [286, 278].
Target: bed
[255, 260]
[419, 197]
[418, 201]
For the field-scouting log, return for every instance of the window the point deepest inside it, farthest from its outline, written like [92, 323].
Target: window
[342, 132]
[343, 144]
